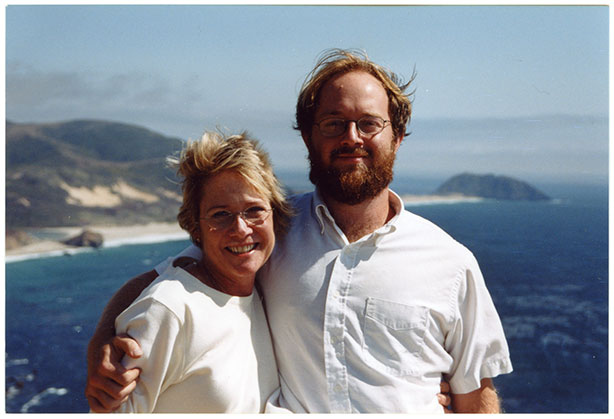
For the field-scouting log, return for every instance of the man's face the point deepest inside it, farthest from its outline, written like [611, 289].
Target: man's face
[352, 167]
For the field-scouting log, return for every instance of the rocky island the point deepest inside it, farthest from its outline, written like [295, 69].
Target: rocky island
[491, 187]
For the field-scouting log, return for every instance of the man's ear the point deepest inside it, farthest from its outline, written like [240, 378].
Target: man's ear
[397, 142]
[306, 139]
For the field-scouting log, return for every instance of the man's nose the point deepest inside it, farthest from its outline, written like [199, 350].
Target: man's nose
[351, 136]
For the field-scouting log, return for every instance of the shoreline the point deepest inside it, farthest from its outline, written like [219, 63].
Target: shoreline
[113, 236]
[49, 238]
[415, 200]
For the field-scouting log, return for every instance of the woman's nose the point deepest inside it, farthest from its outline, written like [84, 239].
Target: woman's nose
[239, 226]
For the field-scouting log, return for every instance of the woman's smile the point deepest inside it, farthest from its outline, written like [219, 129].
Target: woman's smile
[242, 249]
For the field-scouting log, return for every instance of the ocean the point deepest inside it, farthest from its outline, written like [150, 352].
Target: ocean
[545, 264]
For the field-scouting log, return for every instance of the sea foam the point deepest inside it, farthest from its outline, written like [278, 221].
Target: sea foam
[147, 239]
[36, 400]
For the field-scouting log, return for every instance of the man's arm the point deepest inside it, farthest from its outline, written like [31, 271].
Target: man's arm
[108, 382]
[482, 400]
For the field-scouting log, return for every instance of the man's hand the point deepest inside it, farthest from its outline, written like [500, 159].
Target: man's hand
[444, 398]
[482, 400]
[108, 383]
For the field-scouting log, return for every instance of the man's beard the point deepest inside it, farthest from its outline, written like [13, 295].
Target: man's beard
[354, 184]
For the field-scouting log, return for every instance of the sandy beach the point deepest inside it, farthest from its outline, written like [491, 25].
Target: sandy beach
[410, 200]
[113, 236]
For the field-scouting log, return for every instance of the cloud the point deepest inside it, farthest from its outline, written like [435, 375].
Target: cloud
[548, 146]
[136, 97]
[181, 106]
[28, 87]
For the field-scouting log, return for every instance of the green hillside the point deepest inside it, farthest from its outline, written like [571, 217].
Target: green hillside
[57, 172]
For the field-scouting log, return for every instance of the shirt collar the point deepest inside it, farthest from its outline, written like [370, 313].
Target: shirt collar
[321, 210]
[396, 203]
[322, 213]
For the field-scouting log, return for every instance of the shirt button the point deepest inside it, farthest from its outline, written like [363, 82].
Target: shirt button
[338, 388]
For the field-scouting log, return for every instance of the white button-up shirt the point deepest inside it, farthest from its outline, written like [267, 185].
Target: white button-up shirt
[374, 325]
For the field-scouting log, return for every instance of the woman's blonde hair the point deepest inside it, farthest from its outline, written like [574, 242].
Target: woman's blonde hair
[215, 153]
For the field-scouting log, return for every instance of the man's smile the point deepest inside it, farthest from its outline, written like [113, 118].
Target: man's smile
[349, 153]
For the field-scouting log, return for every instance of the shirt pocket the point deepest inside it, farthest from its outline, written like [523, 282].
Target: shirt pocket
[394, 336]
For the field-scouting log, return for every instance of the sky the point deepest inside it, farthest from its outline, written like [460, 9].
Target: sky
[515, 90]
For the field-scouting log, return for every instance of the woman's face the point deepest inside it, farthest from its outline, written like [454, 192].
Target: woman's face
[238, 251]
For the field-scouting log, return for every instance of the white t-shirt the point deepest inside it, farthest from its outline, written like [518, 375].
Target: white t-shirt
[374, 325]
[203, 350]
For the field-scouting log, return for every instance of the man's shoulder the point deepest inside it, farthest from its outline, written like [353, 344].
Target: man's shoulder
[413, 226]
[301, 199]
[414, 222]
[302, 205]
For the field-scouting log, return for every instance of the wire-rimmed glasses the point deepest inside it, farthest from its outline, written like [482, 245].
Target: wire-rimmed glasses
[221, 220]
[367, 125]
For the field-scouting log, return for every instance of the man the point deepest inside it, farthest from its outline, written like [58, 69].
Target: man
[369, 305]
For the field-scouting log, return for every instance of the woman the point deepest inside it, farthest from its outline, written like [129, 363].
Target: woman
[202, 328]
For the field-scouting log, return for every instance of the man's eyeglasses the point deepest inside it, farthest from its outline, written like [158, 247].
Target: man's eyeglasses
[367, 125]
[253, 216]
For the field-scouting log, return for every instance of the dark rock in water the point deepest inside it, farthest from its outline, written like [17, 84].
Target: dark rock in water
[491, 186]
[87, 238]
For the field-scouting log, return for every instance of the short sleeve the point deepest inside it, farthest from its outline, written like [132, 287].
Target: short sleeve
[476, 341]
[156, 328]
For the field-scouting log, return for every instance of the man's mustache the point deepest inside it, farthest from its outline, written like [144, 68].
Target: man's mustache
[352, 151]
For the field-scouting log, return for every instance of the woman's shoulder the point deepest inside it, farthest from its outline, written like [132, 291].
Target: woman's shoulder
[175, 297]
[175, 288]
